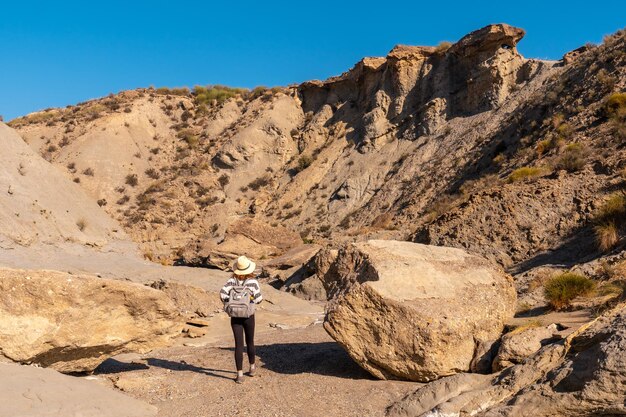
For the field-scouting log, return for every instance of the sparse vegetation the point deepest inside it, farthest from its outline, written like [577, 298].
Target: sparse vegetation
[615, 110]
[182, 91]
[573, 158]
[131, 179]
[524, 173]
[125, 198]
[82, 224]
[223, 180]
[89, 172]
[102, 202]
[562, 289]
[215, 94]
[152, 173]
[609, 220]
[303, 163]
[442, 48]
[259, 182]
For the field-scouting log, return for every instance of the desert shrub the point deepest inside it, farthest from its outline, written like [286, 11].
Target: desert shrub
[606, 79]
[207, 201]
[615, 105]
[223, 180]
[51, 148]
[323, 228]
[152, 173]
[615, 110]
[551, 142]
[131, 179]
[186, 115]
[565, 130]
[71, 166]
[259, 182]
[257, 92]
[182, 91]
[562, 289]
[573, 158]
[303, 163]
[442, 48]
[524, 173]
[102, 202]
[88, 172]
[189, 137]
[76, 180]
[82, 224]
[609, 220]
[215, 94]
[123, 200]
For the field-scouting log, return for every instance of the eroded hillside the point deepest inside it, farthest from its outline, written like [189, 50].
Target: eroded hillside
[425, 144]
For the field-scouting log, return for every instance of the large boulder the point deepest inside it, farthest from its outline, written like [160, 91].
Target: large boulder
[27, 391]
[417, 312]
[72, 323]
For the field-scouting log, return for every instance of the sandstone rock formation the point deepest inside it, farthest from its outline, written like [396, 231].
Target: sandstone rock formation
[72, 323]
[189, 299]
[413, 311]
[581, 376]
[41, 206]
[520, 344]
[27, 391]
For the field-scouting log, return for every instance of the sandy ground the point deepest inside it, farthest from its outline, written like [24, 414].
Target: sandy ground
[302, 372]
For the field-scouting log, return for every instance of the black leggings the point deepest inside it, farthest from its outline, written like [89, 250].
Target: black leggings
[241, 325]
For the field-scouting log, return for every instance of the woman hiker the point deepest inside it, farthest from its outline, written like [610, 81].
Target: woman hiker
[240, 295]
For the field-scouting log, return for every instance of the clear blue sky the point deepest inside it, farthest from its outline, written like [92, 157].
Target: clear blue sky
[56, 53]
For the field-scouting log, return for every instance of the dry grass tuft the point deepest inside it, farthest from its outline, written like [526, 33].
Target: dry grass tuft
[562, 289]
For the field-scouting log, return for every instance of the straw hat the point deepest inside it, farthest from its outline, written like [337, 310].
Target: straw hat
[243, 266]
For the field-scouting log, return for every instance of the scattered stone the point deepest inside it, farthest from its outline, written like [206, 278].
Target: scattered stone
[188, 298]
[521, 343]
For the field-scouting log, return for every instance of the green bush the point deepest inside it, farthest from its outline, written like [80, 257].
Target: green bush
[183, 91]
[615, 110]
[218, 93]
[524, 173]
[562, 289]
[615, 106]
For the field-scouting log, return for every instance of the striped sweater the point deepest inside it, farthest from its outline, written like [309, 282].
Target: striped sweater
[250, 283]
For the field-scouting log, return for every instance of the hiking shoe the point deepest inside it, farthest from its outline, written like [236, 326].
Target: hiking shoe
[252, 372]
[239, 379]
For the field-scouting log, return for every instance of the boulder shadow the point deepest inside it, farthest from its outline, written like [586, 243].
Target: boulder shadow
[113, 366]
[184, 366]
[325, 358]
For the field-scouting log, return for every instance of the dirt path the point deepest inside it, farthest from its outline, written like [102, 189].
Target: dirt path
[302, 373]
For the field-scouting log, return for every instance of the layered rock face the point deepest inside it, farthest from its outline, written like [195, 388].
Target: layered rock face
[72, 323]
[417, 88]
[417, 312]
